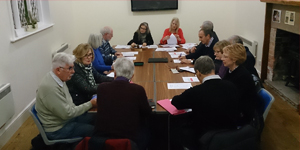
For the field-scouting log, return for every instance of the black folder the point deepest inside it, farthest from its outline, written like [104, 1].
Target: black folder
[157, 60]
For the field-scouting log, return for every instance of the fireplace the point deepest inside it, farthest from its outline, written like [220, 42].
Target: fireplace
[280, 60]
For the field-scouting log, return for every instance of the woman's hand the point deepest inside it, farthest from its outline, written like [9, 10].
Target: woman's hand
[166, 38]
[133, 44]
[144, 44]
[177, 37]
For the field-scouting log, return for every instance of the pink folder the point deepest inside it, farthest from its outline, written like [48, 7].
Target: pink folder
[166, 104]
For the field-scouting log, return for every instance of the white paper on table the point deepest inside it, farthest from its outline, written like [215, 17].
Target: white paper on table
[176, 54]
[129, 53]
[152, 46]
[169, 46]
[192, 70]
[112, 74]
[176, 61]
[123, 46]
[166, 49]
[190, 79]
[131, 58]
[179, 85]
[188, 45]
[172, 40]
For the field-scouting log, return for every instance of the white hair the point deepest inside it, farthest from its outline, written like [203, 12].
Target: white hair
[95, 40]
[207, 25]
[105, 30]
[235, 39]
[124, 67]
[62, 59]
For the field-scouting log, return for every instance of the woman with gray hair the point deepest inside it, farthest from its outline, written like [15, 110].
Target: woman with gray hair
[95, 41]
[123, 106]
[142, 36]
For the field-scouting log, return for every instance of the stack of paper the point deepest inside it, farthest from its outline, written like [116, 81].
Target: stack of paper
[152, 46]
[166, 49]
[192, 70]
[176, 54]
[126, 54]
[131, 58]
[188, 45]
[169, 46]
[190, 79]
[123, 46]
[176, 61]
[179, 85]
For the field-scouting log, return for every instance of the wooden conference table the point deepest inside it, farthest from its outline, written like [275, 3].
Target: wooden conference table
[155, 76]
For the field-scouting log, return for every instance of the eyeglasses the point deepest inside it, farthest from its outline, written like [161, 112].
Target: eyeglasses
[70, 68]
[143, 28]
[88, 55]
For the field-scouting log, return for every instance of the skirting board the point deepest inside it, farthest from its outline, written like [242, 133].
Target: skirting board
[15, 124]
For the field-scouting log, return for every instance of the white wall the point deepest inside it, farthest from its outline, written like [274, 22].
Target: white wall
[25, 62]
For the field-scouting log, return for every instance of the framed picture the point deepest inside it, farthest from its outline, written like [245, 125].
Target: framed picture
[276, 15]
[289, 17]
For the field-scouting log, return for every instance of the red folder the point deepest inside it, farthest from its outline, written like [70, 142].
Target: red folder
[166, 104]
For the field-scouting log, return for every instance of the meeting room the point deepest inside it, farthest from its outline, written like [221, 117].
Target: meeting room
[149, 75]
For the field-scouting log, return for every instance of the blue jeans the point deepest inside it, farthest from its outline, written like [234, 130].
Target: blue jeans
[80, 126]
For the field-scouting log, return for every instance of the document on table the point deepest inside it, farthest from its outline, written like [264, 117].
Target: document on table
[167, 105]
[188, 45]
[190, 79]
[129, 53]
[176, 61]
[123, 46]
[112, 74]
[152, 46]
[179, 85]
[192, 70]
[172, 40]
[169, 46]
[131, 58]
[166, 49]
[176, 54]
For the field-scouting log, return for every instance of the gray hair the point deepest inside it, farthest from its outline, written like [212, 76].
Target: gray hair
[235, 39]
[205, 65]
[124, 67]
[62, 59]
[105, 30]
[207, 25]
[95, 40]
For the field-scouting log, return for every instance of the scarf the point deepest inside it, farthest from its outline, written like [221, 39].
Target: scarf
[88, 70]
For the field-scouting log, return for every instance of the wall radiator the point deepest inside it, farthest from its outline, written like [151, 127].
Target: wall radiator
[62, 48]
[7, 109]
[252, 45]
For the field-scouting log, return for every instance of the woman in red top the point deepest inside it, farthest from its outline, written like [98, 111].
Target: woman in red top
[174, 29]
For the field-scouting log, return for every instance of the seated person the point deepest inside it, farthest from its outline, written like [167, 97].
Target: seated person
[98, 63]
[142, 36]
[206, 48]
[233, 57]
[207, 25]
[213, 104]
[221, 70]
[108, 53]
[60, 118]
[122, 114]
[175, 30]
[85, 80]
[249, 63]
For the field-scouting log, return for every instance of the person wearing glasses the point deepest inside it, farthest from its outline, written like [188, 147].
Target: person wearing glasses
[60, 117]
[173, 30]
[142, 36]
[86, 78]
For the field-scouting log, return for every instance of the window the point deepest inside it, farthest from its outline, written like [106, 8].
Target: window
[37, 10]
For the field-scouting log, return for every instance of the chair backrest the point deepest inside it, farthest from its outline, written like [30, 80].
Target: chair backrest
[38, 123]
[267, 100]
[244, 138]
[258, 84]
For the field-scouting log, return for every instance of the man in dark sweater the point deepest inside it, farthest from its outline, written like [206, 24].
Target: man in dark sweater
[213, 103]
[205, 48]
[122, 106]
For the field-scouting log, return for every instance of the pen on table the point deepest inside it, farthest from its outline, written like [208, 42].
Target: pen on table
[180, 55]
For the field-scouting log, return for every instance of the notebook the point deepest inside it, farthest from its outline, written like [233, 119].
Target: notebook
[157, 60]
[166, 104]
